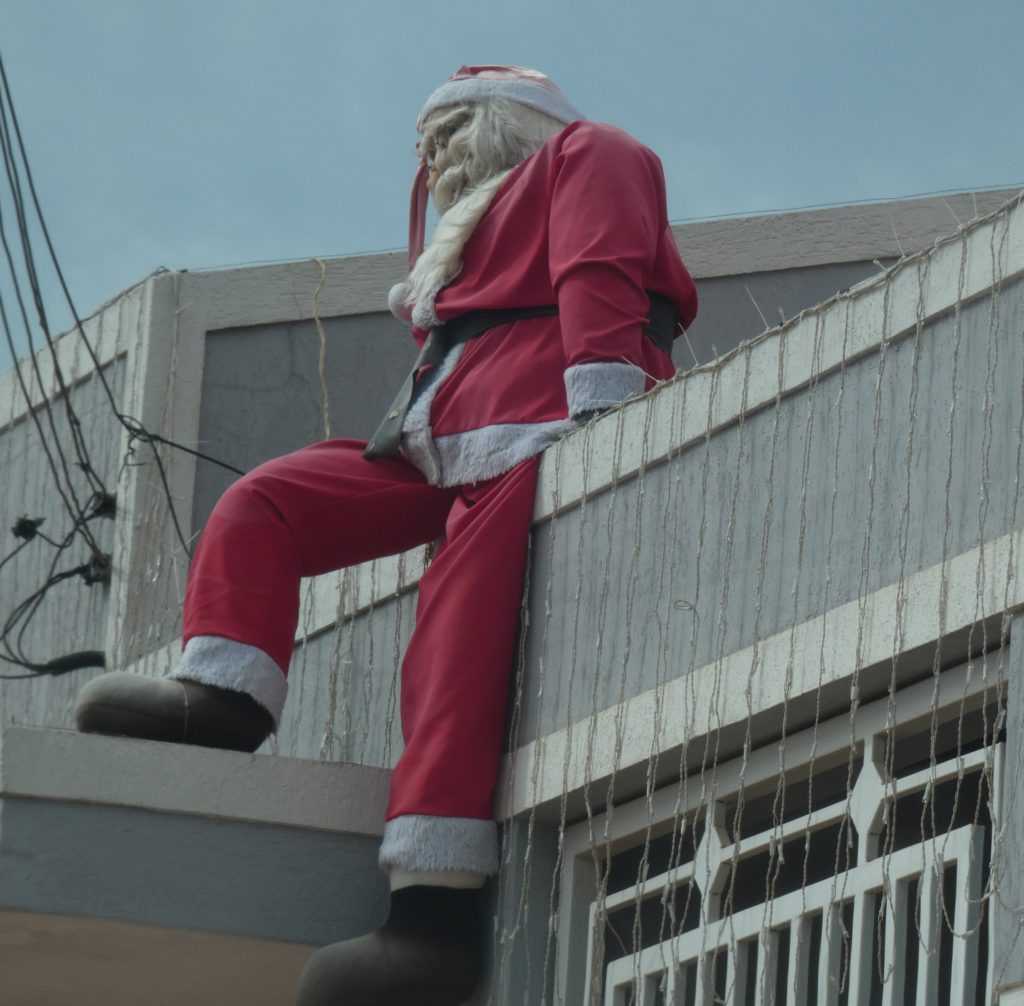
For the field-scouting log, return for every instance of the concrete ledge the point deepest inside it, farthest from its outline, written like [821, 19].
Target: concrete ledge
[69, 767]
[161, 835]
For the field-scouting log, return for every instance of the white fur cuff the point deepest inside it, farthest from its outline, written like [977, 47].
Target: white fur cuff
[590, 386]
[423, 314]
[224, 663]
[422, 842]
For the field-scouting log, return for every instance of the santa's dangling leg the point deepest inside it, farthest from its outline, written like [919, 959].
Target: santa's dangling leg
[440, 840]
[310, 512]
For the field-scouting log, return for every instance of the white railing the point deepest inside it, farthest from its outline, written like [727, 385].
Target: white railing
[753, 940]
[890, 923]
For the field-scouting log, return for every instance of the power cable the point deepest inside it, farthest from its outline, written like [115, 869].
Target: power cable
[101, 502]
[135, 428]
[96, 570]
[59, 465]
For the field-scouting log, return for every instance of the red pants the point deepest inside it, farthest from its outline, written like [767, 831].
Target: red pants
[326, 507]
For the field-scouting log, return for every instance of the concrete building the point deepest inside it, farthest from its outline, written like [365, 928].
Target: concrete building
[768, 714]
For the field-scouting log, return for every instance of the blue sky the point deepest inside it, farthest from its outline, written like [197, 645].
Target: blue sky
[201, 133]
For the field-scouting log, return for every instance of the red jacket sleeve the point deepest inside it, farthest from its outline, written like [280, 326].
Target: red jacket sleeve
[606, 219]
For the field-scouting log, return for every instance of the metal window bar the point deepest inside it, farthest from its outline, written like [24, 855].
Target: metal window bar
[836, 917]
[961, 849]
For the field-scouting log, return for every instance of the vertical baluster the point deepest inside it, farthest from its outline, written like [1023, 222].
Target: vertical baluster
[732, 991]
[656, 989]
[670, 989]
[830, 956]
[928, 926]
[894, 954]
[681, 980]
[798, 990]
[595, 954]
[996, 795]
[768, 969]
[705, 978]
[861, 961]
[965, 919]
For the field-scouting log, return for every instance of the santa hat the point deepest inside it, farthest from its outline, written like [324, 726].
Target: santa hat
[477, 83]
[513, 83]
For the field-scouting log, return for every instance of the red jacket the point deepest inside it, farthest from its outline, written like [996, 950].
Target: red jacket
[581, 224]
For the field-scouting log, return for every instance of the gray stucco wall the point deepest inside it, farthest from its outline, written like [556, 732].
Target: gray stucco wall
[902, 459]
[343, 689]
[73, 616]
[731, 307]
[232, 877]
[262, 395]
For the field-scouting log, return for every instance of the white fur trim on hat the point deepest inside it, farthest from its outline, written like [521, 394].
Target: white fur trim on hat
[518, 84]
[224, 663]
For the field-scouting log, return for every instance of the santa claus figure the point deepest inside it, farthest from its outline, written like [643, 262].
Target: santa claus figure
[551, 290]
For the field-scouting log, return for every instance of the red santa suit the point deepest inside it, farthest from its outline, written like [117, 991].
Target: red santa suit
[581, 225]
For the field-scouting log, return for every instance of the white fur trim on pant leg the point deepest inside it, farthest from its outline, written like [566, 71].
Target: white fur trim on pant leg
[590, 386]
[462, 880]
[225, 663]
[425, 842]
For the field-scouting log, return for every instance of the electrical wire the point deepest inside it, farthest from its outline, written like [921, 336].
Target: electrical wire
[24, 234]
[92, 572]
[60, 462]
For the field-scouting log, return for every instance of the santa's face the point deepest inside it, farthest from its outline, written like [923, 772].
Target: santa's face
[432, 148]
[428, 151]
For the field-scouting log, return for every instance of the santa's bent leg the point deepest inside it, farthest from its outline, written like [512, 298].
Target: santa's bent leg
[440, 840]
[310, 512]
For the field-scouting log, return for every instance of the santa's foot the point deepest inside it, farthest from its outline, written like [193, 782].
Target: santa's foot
[166, 709]
[427, 953]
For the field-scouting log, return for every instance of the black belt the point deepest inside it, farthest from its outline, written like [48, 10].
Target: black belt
[660, 329]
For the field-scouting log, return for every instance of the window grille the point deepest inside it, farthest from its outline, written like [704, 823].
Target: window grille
[855, 876]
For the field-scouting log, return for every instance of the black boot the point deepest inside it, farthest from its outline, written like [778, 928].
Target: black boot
[165, 709]
[426, 954]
